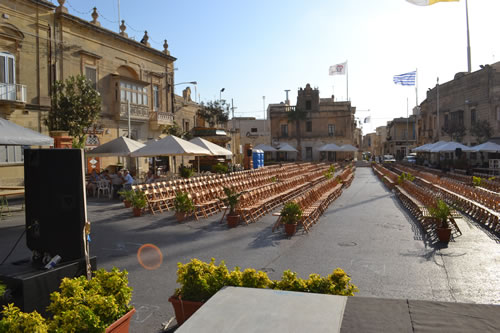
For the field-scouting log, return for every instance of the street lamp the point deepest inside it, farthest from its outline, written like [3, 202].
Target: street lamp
[195, 88]
[220, 94]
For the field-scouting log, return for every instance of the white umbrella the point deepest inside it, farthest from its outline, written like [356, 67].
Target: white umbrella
[450, 147]
[265, 148]
[330, 147]
[121, 146]
[422, 148]
[286, 148]
[432, 146]
[487, 147]
[212, 147]
[348, 148]
[170, 146]
[15, 135]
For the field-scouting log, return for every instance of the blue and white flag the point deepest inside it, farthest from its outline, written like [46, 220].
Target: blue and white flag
[407, 79]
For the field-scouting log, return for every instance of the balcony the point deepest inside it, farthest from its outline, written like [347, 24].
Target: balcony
[11, 92]
[156, 119]
[137, 112]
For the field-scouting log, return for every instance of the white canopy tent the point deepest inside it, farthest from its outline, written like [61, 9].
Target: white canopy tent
[14, 135]
[487, 147]
[287, 148]
[330, 147]
[430, 146]
[121, 146]
[348, 147]
[449, 147]
[265, 148]
[422, 148]
[212, 147]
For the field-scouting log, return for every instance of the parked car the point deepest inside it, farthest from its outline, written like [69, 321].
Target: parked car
[410, 159]
[389, 159]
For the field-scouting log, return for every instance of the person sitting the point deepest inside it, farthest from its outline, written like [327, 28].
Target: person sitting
[116, 183]
[93, 180]
[150, 178]
[128, 180]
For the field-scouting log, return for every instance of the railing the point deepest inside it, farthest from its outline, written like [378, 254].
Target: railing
[13, 92]
[137, 112]
[163, 118]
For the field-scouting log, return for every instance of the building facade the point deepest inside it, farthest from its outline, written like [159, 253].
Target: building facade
[369, 143]
[380, 140]
[401, 136]
[326, 121]
[463, 103]
[41, 43]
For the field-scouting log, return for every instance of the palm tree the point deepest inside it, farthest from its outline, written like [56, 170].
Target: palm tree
[296, 115]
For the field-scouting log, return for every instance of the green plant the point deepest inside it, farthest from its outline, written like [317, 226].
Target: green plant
[126, 195]
[476, 181]
[291, 213]
[331, 169]
[138, 200]
[14, 320]
[328, 175]
[80, 306]
[3, 288]
[219, 168]
[491, 178]
[186, 172]
[76, 106]
[440, 211]
[339, 180]
[183, 203]
[232, 199]
[405, 176]
[274, 179]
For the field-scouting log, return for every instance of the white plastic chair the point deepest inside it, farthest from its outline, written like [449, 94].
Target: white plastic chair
[104, 187]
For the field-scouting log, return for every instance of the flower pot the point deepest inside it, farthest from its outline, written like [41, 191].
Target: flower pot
[180, 216]
[137, 211]
[183, 309]
[232, 220]
[444, 234]
[127, 203]
[290, 229]
[122, 324]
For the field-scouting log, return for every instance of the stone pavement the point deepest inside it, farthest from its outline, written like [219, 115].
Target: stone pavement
[366, 232]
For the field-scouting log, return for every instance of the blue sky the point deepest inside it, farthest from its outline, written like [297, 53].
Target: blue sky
[260, 48]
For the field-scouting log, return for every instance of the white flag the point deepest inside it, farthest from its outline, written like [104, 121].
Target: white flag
[338, 69]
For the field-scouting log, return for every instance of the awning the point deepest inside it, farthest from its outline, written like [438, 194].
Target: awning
[330, 147]
[265, 148]
[210, 146]
[170, 146]
[121, 146]
[450, 147]
[286, 148]
[348, 148]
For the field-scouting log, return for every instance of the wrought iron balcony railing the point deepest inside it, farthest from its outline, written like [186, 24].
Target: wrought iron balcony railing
[13, 92]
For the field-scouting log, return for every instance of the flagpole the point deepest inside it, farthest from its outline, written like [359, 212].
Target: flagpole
[416, 87]
[468, 39]
[347, 79]
[437, 107]
[407, 130]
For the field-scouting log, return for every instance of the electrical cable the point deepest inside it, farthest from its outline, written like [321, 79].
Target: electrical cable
[12, 250]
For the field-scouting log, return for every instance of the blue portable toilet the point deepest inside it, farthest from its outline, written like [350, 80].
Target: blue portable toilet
[257, 158]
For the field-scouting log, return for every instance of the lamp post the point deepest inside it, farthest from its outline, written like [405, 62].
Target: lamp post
[220, 94]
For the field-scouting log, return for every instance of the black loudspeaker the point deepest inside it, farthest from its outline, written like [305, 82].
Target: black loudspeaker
[458, 152]
[55, 202]
[249, 152]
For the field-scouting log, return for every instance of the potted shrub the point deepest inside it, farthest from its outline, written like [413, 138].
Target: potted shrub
[232, 199]
[186, 172]
[290, 216]
[127, 196]
[220, 168]
[441, 211]
[98, 305]
[183, 206]
[139, 202]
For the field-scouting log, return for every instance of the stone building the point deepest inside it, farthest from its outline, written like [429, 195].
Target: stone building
[380, 140]
[327, 121]
[398, 141]
[463, 102]
[369, 143]
[41, 43]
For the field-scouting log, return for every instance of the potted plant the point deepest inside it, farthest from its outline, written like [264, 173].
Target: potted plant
[127, 196]
[183, 206]
[186, 172]
[232, 199]
[290, 216]
[97, 305]
[441, 211]
[139, 202]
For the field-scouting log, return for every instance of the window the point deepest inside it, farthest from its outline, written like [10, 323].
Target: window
[284, 130]
[91, 75]
[331, 130]
[11, 154]
[134, 93]
[309, 153]
[156, 97]
[308, 105]
[445, 121]
[253, 130]
[309, 126]
[7, 66]
[472, 116]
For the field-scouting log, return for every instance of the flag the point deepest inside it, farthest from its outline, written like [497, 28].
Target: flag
[338, 69]
[427, 2]
[367, 119]
[406, 79]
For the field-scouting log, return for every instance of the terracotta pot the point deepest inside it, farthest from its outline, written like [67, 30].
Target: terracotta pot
[232, 220]
[127, 203]
[183, 309]
[444, 234]
[290, 229]
[180, 216]
[137, 211]
[122, 324]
